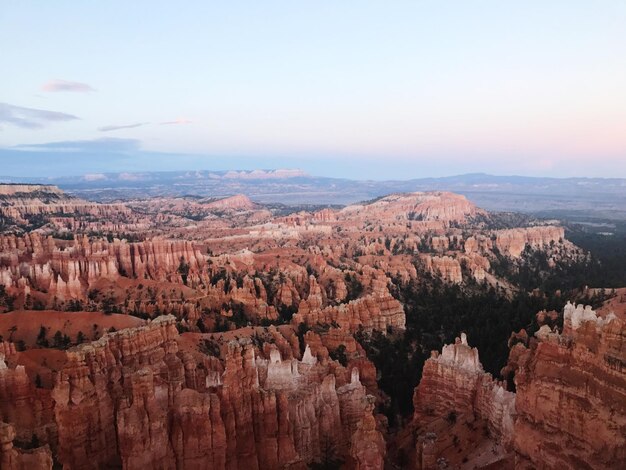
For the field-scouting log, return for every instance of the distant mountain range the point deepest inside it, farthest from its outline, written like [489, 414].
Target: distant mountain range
[602, 198]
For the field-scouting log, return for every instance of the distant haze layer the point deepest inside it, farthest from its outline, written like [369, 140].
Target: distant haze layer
[552, 197]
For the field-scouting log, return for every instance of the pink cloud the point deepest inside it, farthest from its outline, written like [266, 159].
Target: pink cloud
[64, 85]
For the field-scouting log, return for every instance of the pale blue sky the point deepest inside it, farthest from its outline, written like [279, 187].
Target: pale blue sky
[339, 88]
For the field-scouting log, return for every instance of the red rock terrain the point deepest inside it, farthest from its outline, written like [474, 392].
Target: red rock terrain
[199, 333]
[148, 398]
[463, 417]
[571, 394]
[19, 201]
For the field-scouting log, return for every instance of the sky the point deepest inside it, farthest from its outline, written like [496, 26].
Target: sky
[361, 89]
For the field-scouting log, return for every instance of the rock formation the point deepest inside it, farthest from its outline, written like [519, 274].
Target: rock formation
[455, 382]
[571, 395]
[281, 396]
[134, 399]
[18, 201]
[239, 202]
[12, 458]
[68, 271]
[448, 268]
[569, 409]
[512, 242]
[459, 409]
[372, 312]
[432, 206]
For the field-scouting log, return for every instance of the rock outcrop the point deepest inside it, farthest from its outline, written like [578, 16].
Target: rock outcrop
[446, 267]
[455, 382]
[373, 312]
[238, 202]
[19, 201]
[12, 458]
[418, 206]
[63, 271]
[571, 395]
[569, 409]
[134, 399]
[512, 242]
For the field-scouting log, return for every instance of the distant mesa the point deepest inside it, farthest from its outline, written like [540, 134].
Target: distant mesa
[265, 174]
[94, 177]
[426, 206]
[251, 175]
[18, 189]
[237, 202]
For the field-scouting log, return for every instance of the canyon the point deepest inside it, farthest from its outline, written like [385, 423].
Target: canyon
[222, 333]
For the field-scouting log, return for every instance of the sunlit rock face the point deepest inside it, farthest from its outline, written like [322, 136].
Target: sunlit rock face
[431, 206]
[571, 395]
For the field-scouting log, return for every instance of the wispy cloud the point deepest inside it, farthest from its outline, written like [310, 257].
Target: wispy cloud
[106, 144]
[123, 126]
[65, 85]
[30, 118]
[177, 121]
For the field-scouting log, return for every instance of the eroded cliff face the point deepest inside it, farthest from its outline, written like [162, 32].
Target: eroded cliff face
[369, 312]
[568, 412]
[147, 397]
[571, 395]
[19, 201]
[12, 458]
[455, 389]
[67, 271]
[449, 269]
[512, 242]
[31, 409]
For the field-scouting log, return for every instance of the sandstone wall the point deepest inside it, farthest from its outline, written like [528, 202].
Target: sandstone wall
[571, 395]
[134, 399]
[67, 271]
[12, 458]
[454, 381]
[376, 311]
[512, 242]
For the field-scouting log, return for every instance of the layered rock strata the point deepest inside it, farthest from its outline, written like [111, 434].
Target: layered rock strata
[455, 382]
[135, 399]
[512, 242]
[373, 312]
[571, 394]
[12, 458]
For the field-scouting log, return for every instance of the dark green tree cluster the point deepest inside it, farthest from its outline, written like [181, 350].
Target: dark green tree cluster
[354, 287]
[183, 269]
[6, 300]
[436, 313]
